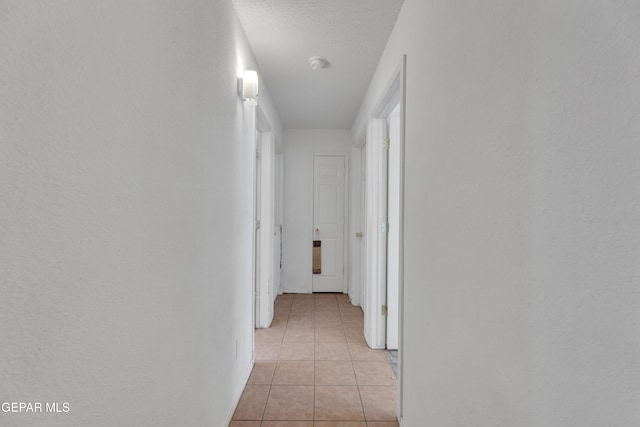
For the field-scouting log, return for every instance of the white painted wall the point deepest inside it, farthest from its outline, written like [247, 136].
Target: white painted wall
[126, 208]
[522, 242]
[299, 148]
[585, 204]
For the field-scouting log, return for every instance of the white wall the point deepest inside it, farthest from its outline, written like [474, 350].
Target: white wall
[585, 200]
[299, 148]
[522, 243]
[126, 211]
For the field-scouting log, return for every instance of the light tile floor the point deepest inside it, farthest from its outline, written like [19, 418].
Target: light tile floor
[314, 369]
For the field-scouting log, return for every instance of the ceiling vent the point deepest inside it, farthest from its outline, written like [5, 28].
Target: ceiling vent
[317, 62]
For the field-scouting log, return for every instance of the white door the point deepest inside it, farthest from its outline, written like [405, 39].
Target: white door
[328, 221]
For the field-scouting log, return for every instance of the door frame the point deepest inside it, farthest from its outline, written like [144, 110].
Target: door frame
[393, 233]
[345, 228]
[375, 289]
[357, 223]
[263, 254]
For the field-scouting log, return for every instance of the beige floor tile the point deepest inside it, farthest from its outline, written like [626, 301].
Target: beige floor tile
[328, 322]
[353, 322]
[283, 301]
[302, 308]
[330, 328]
[311, 341]
[268, 351]
[328, 312]
[270, 334]
[355, 335]
[363, 352]
[290, 403]
[302, 334]
[279, 321]
[296, 321]
[332, 351]
[383, 424]
[334, 372]
[350, 310]
[297, 351]
[325, 296]
[300, 327]
[338, 403]
[289, 372]
[340, 424]
[262, 372]
[374, 373]
[326, 302]
[303, 311]
[252, 403]
[330, 335]
[287, 424]
[281, 310]
[245, 424]
[379, 402]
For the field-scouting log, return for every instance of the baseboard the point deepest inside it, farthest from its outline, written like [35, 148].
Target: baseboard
[402, 423]
[296, 291]
[236, 400]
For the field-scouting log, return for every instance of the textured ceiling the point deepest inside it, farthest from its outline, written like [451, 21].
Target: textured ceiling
[350, 34]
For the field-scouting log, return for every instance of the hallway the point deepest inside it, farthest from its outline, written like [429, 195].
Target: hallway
[314, 369]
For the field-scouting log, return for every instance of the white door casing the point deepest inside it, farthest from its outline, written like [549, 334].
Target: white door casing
[329, 220]
[393, 235]
[375, 284]
[356, 229]
[376, 232]
[257, 255]
[264, 190]
[363, 225]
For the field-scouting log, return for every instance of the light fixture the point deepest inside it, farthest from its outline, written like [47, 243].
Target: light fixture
[317, 62]
[250, 86]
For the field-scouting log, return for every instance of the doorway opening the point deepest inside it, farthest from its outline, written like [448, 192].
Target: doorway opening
[383, 275]
[264, 221]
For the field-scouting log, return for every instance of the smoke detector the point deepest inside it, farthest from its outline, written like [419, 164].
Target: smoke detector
[317, 62]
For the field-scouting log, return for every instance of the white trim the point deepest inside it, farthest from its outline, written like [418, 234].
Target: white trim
[394, 94]
[402, 142]
[356, 225]
[238, 394]
[402, 423]
[296, 291]
[250, 139]
[265, 291]
[376, 254]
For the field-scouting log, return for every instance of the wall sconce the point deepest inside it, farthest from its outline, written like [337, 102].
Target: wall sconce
[250, 87]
